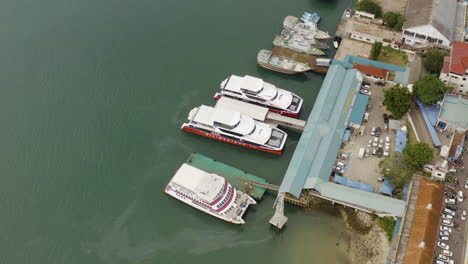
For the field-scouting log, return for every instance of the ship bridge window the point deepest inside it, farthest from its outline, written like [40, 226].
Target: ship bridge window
[251, 92]
[255, 97]
[218, 124]
[230, 132]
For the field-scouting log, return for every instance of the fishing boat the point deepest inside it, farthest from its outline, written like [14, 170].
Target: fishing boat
[235, 128]
[256, 91]
[336, 42]
[280, 64]
[209, 193]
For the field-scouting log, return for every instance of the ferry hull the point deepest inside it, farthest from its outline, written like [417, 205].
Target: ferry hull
[228, 140]
[284, 113]
[189, 202]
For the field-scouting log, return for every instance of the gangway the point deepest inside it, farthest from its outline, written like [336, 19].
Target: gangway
[260, 113]
[279, 219]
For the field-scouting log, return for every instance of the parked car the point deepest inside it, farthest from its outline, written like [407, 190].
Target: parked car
[364, 91]
[342, 156]
[447, 223]
[387, 151]
[376, 142]
[369, 144]
[447, 253]
[440, 262]
[379, 152]
[378, 130]
[444, 233]
[380, 83]
[367, 152]
[451, 207]
[387, 141]
[385, 118]
[385, 127]
[444, 238]
[341, 164]
[338, 169]
[449, 212]
[381, 143]
[380, 179]
[442, 245]
[366, 117]
[444, 228]
[442, 257]
[374, 151]
[446, 216]
[466, 184]
[372, 132]
[450, 201]
[365, 83]
[460, 196]
[463, 215]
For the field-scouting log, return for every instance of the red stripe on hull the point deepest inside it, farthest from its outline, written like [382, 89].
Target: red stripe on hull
[221, 138]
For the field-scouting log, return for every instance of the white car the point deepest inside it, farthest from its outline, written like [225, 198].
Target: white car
[463, 215]
[386, 151]
[449, 212]
[447, 223]
[444, 228]
[364, 91]
[450, 201]
[381, 143]
[466, 184]
[387, 141]
[444, 238]
[447, 217]
[376, 142]
[341, 164]
[372, 131]
[369, 144]
[442, 245]
[447, 253]
[444, 233]
[460, 196]
[367, 153]
[442, 257]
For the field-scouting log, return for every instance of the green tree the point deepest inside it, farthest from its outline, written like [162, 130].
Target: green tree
[397, 100]
[394, 168]
[430, 89]
[416, 155]
[369, 6]
[393, 20]
[434, 60]
[375, 50]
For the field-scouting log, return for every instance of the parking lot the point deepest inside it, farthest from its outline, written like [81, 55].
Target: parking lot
[366, 169]
[457, 238]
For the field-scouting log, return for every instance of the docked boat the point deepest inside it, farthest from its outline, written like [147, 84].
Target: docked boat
[336, 42]
[255, 90]
[280, 64]
[209, 193]
[235, 128]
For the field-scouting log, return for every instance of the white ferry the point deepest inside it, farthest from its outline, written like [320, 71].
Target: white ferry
[256, 91]
[209, 193]
[235, 128]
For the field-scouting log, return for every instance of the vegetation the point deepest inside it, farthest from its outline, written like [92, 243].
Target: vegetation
[434, 60]
[375, 50]
[411, 135]
[416, 155]
[393, 56]
[397, 100]
[388, 225]
[393, 20]
[369, 6]
[430, 89]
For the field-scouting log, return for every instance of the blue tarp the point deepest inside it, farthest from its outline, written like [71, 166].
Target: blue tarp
[353, 184]
[387, 188]
[401, 140]
[426, 115]
[346, 135]
[359, 109]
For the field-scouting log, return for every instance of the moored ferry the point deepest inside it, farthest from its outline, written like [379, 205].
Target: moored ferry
[255, 90]
[209, 193]
[235, 128]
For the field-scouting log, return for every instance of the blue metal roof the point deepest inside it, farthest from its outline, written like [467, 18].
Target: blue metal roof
[401, 140]
[319, 144]
[427, 120]
[353, 184]
[346, 135]
[359, 109]
[387, 188]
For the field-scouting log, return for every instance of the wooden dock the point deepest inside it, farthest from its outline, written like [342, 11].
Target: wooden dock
[301, 57]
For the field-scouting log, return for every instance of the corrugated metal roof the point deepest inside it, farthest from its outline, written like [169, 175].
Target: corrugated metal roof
[371, 70]
[318, 146]
[454, 109]
[372, 201]
[359, 109]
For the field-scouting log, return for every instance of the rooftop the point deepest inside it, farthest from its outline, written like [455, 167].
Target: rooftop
[459, 58]
[359, 109]
[440, 14]
[371, 70]
[446, 67]
[454, 109]
[424, 230]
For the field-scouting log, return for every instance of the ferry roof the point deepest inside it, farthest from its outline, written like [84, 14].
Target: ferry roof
[206, 185]
[254, 111]
[207, 114]
[252, 83]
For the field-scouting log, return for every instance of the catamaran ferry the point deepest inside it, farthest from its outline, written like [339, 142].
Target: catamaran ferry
[256, 91]
[209, 193]
[235, 128]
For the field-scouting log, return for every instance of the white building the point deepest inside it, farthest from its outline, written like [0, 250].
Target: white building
[430, 21]
[455, 70]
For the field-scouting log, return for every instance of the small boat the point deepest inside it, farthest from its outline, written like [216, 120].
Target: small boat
[255, 91]
[310, 17]
[209, 193]
[280, 64]
[336, 42]
[235, 128]
[323, 62]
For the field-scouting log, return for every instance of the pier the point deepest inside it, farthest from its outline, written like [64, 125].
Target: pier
[260, 113]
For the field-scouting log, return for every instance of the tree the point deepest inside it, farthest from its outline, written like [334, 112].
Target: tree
[393, 20]
[434, 60]
[395, 169]
[416, 155]
[430, 89]
[375, 50]
[397, 100]
[400, 21]
[369, 6]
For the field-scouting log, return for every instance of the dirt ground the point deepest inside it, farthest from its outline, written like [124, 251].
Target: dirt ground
[353, 48]
[398, 6]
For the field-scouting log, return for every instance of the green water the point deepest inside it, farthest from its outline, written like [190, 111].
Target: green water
[93, 95]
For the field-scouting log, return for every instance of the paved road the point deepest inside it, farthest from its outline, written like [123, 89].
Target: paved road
[458, 238]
